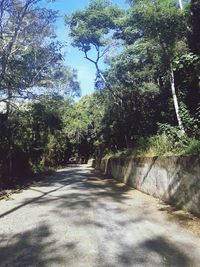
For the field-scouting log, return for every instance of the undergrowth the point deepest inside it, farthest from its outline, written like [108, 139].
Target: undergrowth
[168, 142]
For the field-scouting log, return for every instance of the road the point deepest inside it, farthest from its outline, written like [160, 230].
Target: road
[76, 218]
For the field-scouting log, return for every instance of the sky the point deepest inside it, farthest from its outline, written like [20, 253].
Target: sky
[75, 58]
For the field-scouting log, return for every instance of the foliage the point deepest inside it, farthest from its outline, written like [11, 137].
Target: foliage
[150, 87]
[30, 58]
[155, 56]
[91, 26]
[160, 145]
[31, 67]
[193, 27]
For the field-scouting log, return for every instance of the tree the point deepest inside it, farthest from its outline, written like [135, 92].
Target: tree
[91, 30]
[31, 65]
[82, 124]
[165, 24]
[193, 27]
[30, 58]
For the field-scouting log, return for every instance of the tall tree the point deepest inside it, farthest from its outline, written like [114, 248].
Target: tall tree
[165, 24]
[30, 62]
[91, 31]
[29, 56]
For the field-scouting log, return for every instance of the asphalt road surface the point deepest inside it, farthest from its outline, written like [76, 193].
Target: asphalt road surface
[76, 218]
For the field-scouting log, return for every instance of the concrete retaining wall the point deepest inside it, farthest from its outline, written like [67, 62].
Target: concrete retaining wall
[172, 179]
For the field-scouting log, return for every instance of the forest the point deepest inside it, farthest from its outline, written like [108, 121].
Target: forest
[146, 100]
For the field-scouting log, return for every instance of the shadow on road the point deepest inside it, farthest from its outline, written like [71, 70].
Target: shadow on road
[77, 179]
[76, 190]
[32, 248]
[163, 251]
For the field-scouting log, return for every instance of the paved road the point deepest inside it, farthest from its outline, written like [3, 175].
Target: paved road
[78, 219]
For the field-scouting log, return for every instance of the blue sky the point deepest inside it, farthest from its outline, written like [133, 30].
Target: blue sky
[75, 58]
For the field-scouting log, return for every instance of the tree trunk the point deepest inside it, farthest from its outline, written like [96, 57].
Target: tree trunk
[126, 141]
[109, 86]
[180, 4]
[176, 105]
[9, 136]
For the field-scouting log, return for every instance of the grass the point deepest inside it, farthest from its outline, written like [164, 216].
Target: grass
[160, 145]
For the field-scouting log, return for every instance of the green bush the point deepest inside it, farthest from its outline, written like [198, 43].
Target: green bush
[193, 148]
[169, 141]
[41, 169]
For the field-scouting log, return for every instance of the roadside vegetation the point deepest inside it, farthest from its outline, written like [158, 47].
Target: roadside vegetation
[146, 101]
[150, 90]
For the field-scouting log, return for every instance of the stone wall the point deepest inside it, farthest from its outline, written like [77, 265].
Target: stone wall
[172, 179]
